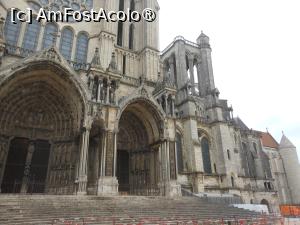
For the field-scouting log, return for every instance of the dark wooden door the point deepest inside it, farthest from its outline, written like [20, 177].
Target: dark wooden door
[39, 167]
[15, 165]
[123, 171]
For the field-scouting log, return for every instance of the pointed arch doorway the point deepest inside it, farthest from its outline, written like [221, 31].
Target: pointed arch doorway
[138, 169]
[41, 109]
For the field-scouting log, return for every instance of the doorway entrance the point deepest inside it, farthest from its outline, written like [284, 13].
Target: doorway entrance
[24, 171]
[15, 166]
[39, 167]
[138, 168]
[123, 171]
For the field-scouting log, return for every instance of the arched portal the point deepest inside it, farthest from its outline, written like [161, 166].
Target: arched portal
[41, 113]
[138, 169]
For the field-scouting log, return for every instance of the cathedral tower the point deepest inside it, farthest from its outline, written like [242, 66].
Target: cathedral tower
[289, 156]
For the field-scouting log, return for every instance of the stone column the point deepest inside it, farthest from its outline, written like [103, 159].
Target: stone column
[117, 85]
[103, 153]
[173, 106]
[164, 165]
[172, 69]
[21, 36]
[169, 184]
[199, 78]
[25, 179]
[166, 104]
[40, 39]
[115, 155]
[108, 91]
[162, 169]
[99, 90]
[191, 67]
[159, 170]
[108, 183]
[83, 160]
[112, 94]
[57, 40]
[181, 64]
[167, 153]
[176, 158]
[110, 149]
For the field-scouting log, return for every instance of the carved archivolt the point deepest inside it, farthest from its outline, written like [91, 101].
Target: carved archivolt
[141, 105]
[42, 98]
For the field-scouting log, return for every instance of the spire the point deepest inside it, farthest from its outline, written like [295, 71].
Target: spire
[202, 34]
[286, 143]
[203, 40]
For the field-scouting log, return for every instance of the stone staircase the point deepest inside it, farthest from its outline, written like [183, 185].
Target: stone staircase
[92, 210]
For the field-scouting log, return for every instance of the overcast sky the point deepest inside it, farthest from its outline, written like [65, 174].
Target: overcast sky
[256, 55]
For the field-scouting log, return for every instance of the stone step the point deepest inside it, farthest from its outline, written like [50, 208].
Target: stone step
[44, 209]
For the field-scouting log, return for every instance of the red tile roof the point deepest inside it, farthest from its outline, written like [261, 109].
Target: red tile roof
[268, 140]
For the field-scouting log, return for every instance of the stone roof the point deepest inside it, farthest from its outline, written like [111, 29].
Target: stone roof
[286, 143]
[238, 122]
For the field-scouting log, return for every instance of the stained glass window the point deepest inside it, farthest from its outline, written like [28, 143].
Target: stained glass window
[82, 48]
[11, 33]
[206, 155]
[50, 35]
[31, 36]
[66, 43]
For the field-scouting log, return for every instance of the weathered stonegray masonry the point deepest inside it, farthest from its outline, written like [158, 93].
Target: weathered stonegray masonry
[96, 108]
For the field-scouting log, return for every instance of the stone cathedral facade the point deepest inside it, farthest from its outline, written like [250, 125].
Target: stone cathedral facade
[97, 109]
